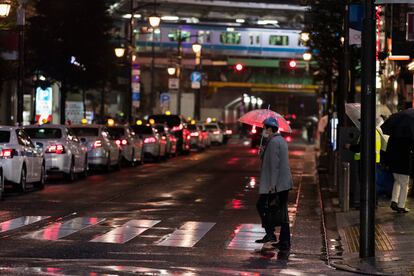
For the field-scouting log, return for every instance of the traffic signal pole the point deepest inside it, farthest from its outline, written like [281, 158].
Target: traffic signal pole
[368, 106]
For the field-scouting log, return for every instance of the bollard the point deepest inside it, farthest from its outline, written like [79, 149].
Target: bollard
[346, 186]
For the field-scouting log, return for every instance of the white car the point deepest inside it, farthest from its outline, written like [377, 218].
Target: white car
[1, 182]
[155, 145]
[63, 151]
[20, 160]
[131, 145]
[215, 133]
[102, 149]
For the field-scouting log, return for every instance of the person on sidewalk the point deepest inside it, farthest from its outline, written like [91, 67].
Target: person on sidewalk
[275, 177]
[399, 161]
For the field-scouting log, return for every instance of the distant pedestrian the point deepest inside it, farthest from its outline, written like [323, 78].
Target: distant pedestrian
[399, 151]
[275, 178]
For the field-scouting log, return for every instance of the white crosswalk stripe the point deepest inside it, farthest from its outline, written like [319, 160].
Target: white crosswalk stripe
[245, 236]
[188, 234]
[126, 232]
[20, 222]
[60, 230]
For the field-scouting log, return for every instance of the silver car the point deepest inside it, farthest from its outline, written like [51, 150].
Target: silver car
[131, 145]
[102, 149]
[63, 151]
[155, 147]
[21, 161]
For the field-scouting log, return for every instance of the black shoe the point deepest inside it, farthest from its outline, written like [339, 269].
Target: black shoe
[394, 206]
[281, 246]
[402, 210]
[267, 238]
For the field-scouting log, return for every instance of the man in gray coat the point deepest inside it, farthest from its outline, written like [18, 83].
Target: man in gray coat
[275, 180]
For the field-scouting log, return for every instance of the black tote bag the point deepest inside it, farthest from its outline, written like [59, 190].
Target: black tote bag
[275, 213]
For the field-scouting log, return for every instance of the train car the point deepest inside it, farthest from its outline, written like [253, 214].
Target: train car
[226, 41]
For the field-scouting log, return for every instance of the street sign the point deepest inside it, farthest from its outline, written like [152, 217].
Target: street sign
[195, 84]
[195, 76]
[173, 83]
[165, 98]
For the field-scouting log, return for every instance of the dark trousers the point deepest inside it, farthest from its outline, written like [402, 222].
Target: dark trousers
[284, 235]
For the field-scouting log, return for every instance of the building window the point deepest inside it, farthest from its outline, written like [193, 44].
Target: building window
[279, 40]
[230, 38]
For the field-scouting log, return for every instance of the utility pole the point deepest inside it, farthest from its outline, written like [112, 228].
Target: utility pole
[179, 57]
[21, 22]
[368, 106]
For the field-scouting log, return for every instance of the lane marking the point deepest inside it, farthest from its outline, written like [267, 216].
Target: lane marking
[188, 234]
[60, 230]
[126, 232]
[245, 235]
[20, 222]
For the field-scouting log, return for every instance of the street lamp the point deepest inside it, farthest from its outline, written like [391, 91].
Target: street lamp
[307, 56]
[171, 70]
[5, 8]
[197, 48]
[154, 20]
[119, 51]
[304, 36]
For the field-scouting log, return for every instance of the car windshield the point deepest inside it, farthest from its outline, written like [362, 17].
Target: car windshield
[86, 131]
[142, 129]
[44, 133]
[192, 128]
[4, 136]
[209, 127]
[116, 132]
[160, 129]
[171, 120]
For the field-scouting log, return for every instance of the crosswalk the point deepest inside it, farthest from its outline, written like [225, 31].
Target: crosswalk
[185, 234]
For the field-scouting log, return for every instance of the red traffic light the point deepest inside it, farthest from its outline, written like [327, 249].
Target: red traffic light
[292, 64]
[239, 67]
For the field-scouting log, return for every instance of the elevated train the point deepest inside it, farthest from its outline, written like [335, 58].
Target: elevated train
[222, 40]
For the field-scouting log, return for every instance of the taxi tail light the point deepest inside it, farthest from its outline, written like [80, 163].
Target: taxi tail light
[150, 140]
[254, 130]
[58, 149]
[97, 144]
[229, 132]
[178, 128]
[194, 134]
[7, 153]
[216, 132]
[124, 142]
[118, 142]
[288, 139]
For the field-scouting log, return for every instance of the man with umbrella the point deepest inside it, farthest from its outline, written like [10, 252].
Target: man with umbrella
[400, 127]
[275, 180]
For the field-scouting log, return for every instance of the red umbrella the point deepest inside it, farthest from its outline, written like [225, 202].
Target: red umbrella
[257, 116]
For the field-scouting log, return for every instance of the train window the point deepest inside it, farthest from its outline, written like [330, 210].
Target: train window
[204, 37]
[230, 38]
[279, 40]
[258, 39]
[174, 35]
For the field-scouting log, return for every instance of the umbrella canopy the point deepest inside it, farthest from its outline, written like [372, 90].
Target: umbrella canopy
[353, 110]
[400, 124]
[257, 116]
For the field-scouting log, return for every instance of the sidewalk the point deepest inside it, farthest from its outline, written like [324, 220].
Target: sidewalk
[394, 237]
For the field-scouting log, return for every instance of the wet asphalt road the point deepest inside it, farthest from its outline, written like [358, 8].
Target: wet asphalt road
[191, 215]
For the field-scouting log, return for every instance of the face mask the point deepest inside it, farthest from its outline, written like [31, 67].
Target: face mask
[265, 134]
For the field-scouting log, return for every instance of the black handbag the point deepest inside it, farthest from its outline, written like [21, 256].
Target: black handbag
[276, 213]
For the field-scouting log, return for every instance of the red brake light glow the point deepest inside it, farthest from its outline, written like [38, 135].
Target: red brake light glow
[150, 140]
[177, 128]
[216, 132]
[254, 131]
[124, 142]
[194, 134]
[6, 153]
[97, 144]
[118, 142]
[229, 132]
[288, 139]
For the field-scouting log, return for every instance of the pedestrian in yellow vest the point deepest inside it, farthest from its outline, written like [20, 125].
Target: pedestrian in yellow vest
[357, 148]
